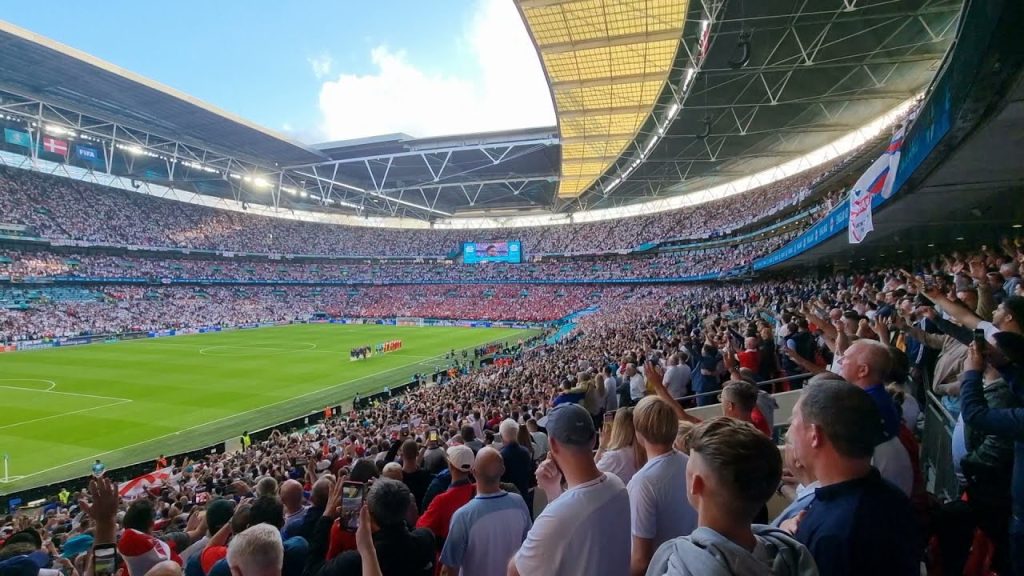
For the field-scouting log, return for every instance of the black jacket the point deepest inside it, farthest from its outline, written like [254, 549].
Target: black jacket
[988, 465]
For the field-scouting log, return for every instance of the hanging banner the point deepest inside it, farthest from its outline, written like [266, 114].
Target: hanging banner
[55, 146]
[893, 151]
[17, 137]
[878, 179]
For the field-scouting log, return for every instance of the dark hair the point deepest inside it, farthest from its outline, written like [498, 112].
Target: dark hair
[267, 509]
[745, 461]
[847, 416]
[1015, 306]
[899, 365]
[743, 393]
[363, 470]
[468, 433]
[388, 501]
[140, 515]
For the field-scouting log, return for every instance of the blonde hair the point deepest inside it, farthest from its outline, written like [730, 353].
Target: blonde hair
[624, 435]
[682, 442]
[656, 421]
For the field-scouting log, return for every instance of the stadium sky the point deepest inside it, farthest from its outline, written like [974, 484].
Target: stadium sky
[322, 69]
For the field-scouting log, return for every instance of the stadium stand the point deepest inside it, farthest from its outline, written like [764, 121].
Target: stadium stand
[855, 417]
[47, 204]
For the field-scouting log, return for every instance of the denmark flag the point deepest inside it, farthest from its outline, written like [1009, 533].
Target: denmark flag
[55, 146]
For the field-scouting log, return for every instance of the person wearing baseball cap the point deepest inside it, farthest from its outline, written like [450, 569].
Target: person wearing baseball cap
[585, 529]
[438, 516]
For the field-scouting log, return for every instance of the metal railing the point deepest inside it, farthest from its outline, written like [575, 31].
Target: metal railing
[937, 449]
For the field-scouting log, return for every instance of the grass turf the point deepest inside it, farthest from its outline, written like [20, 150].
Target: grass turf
[130, 401]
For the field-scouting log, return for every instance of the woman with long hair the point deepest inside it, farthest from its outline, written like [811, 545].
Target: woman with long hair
[619, 452]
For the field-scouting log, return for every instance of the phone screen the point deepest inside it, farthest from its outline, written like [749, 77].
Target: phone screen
[351, 501]
[979, 339]
[104, 560]
[433, 436]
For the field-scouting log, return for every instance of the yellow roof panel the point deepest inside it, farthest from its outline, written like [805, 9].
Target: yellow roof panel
[607, 62]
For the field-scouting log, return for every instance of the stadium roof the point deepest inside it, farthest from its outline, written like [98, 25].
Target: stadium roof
[754, 84]
[759, 82]
[607, 62]
[38, 67]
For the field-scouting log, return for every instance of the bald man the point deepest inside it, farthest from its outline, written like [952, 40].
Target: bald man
[291, 496]
[165, 568]
[866, 365]
[318, 503]
[486, 533]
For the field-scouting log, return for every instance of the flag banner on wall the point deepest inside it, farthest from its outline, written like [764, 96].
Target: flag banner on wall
[88, 153]
[893, 151]
[55, 145]
[877, 179]
[17, 137]
[869, 184]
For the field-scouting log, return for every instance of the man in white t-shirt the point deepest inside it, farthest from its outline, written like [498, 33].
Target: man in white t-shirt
[611, 387]
[637, 384]
[584, 530]
[677, 377]
[659, 509]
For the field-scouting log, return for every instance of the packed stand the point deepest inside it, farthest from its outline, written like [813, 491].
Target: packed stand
[455, 472]
[28, 266]
[54, 207]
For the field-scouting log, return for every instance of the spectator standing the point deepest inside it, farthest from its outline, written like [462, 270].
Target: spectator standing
[487, 531]
[732, 471]
[659, 510]
[438, 515]
[518, 463]
[619, 452]
[858, 523]
[583, 531]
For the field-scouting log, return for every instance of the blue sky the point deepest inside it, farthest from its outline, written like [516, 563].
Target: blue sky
[319, 69]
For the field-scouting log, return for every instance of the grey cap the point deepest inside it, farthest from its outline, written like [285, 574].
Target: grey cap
[570, 424]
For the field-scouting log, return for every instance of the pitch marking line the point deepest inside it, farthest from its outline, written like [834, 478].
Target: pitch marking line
[50, 390]
[272, 351]
[63, 414]
[231, 416]
[50, 382]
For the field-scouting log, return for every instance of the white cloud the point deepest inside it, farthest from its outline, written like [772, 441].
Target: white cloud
[321, 65]
[510, 90]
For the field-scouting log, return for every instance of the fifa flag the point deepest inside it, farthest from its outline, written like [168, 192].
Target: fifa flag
[17, 137]
[88, 154]
[55, 146]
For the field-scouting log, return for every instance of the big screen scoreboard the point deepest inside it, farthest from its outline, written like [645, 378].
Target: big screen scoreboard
[477, 252]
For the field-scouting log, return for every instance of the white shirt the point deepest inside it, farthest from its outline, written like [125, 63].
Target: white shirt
[582, 532]
[541, 440]
[621, 462]
[611, 397]
[637, 387]
[658, 506]
[677, 378]
[893, 464]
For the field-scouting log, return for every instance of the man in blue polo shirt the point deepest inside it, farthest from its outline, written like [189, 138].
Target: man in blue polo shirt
[858, 523]
[488, 531]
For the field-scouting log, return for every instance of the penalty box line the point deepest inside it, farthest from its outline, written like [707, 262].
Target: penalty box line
[114, 401]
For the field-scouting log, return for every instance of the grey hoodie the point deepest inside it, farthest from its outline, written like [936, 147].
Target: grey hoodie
[708, 553]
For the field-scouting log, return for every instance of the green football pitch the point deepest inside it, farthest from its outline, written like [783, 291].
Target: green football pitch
[130, 401]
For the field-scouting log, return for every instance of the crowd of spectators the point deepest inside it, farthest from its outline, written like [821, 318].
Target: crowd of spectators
[459, 471]
[62, 209]
[28, 266]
